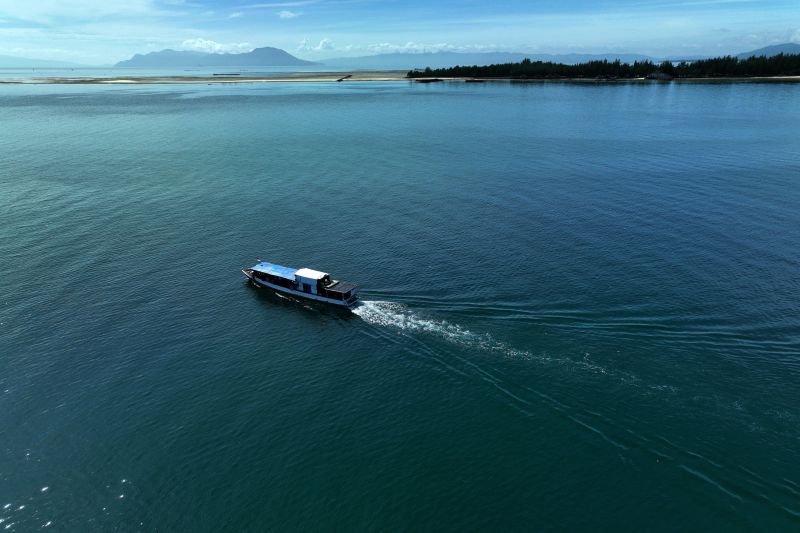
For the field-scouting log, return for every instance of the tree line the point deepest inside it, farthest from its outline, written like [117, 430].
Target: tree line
[718, 67]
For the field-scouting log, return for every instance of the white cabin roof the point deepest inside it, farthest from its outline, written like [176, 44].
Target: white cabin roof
[310, 274]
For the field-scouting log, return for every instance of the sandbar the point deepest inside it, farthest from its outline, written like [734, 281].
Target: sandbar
[362, 76]
[393, 75]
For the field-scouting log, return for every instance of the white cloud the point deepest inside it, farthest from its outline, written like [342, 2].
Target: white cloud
[286, 14]
[206, 45]
[307, 46]
[412, 47]
[795, 38]
[235, 15]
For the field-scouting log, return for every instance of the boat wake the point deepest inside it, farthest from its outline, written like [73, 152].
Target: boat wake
[398, 316]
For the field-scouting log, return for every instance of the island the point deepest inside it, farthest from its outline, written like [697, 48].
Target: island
[784, 66]
[259, 57]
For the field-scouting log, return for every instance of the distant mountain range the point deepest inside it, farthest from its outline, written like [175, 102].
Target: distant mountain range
[769, 51]
[24, 62]
[260, 57]
[405, 61]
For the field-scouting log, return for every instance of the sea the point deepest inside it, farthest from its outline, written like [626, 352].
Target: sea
[580, 307]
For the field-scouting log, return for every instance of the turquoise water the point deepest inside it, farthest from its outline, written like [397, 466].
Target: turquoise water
[580, 307]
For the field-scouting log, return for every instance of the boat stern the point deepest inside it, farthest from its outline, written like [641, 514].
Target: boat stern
[352, 301]
[341, 291]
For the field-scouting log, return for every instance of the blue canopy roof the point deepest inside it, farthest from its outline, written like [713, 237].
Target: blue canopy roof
[275, 270]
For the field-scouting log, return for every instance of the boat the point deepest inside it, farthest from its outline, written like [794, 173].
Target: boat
[303, 282]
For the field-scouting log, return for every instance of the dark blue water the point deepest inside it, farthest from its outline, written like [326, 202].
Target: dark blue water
[580, 307]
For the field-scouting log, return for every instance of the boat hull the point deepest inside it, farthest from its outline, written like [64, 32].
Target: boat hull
[299, 294]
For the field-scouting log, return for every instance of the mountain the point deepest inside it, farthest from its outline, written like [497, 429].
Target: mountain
[769, 51]
[406, 61]
[25, 62]
[260, 57]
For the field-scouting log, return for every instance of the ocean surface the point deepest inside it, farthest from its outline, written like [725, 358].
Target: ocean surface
[581, 307]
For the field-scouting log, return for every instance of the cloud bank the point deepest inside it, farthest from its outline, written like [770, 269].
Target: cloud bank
[206, 45]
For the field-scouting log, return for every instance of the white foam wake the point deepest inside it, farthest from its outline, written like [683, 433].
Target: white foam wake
[395, 315]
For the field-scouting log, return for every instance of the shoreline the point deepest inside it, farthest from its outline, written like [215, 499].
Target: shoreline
[365, 76]
[297, 77]
[763, 79]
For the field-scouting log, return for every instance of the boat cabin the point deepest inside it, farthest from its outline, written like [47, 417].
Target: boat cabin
[320, 283]
[311, 281]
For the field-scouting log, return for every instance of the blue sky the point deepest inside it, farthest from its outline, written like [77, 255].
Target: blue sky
[106, 31]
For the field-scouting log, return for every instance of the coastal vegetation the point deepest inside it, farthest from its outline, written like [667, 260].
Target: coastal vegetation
[719, 67]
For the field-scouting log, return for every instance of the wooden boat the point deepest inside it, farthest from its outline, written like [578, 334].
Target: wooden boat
[303, 282]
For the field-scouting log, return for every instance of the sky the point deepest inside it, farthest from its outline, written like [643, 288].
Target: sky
[98, 32]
